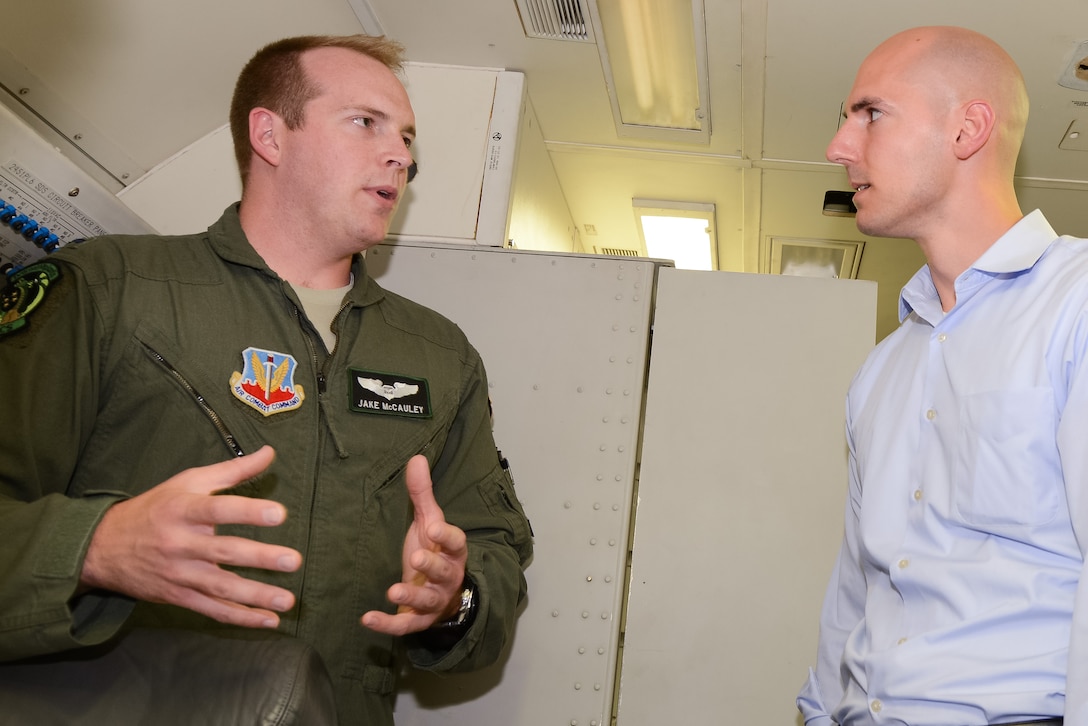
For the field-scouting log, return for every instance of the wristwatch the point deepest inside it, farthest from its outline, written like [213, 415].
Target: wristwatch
[466, 613]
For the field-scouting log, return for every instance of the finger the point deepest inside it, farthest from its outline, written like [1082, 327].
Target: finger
[231, 613]
[226, 474]
[417, 476]
[242, 552]
[233, 509]
[449, 538]
[229, 589]
[399, 624]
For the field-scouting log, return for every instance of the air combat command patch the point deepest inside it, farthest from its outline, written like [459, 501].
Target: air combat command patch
[25, 290]
[266, 382]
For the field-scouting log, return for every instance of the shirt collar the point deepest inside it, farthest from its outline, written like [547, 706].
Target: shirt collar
[1015, 251]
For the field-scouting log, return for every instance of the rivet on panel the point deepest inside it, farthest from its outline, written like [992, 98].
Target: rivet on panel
[581, 651]
[620, 449]
[555, 613]
[600, 651]
[596, 505]
[605, 616]
[593, 540]
[589, 578]
[584, 615]
[603, 447]
[577, 686]
[608, 391]
[611, 543]
[579, 389]
[566, 505]
[600, 477]
[608, 578]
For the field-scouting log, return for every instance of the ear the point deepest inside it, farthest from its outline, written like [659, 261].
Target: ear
[264, 133]
[975, 129]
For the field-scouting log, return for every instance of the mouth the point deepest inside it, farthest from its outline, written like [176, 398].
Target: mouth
[860, 187]
[387, 193]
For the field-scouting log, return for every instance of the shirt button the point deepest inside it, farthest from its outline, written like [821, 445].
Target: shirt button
[903, 563]
[901, 641]
[931, 414]
[942, 338]
[917, 495]
[876, 705]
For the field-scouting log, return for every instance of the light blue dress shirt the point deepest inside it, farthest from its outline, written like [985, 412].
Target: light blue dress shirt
[954, 599]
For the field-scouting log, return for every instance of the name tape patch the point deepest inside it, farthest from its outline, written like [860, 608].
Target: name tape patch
[389, 393]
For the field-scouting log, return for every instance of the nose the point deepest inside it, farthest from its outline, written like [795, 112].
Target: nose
[841, 148]
[397, 153]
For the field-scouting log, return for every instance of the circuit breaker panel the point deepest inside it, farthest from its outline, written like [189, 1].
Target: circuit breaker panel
[47, 201]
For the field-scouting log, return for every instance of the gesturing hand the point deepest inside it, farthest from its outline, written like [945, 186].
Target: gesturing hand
[161, 546]
[433, 563]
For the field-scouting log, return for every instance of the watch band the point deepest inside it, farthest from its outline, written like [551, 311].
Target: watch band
[466, 613]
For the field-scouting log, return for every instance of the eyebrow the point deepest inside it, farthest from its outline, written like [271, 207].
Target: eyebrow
[380, 115]
[863, 103]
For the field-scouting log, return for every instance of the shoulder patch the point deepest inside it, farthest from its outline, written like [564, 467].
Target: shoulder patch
[25, 290]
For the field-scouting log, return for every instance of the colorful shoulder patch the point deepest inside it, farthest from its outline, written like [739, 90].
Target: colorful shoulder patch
[389, 393]
[267, 382]
[24, 292]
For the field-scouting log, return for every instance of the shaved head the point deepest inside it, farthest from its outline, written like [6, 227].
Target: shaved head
[957, 66]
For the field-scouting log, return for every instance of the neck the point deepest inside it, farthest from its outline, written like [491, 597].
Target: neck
[956, 246]
[299, 253]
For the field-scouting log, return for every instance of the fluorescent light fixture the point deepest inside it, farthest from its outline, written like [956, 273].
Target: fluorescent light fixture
[653, 53]
[679, 231]
[814, 257]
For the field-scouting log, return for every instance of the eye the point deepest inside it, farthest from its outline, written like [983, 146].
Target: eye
[874, 114]
[407, 142]
[364, 121]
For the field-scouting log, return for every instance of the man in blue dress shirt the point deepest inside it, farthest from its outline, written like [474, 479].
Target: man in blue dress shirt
[954, 600]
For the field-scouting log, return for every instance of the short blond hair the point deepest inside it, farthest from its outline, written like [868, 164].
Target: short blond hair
[274, 78]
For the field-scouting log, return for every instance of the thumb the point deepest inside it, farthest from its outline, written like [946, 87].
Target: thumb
[417, 476]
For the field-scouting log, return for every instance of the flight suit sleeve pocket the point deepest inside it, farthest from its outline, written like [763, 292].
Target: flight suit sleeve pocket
[502, 502]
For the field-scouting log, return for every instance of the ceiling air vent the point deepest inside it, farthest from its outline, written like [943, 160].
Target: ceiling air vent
[617, 252]
[556, 19]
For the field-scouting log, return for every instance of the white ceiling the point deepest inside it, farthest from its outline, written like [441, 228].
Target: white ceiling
[140, 80]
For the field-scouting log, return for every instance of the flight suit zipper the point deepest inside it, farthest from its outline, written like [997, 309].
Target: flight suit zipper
[215, 418]
[322, 384]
